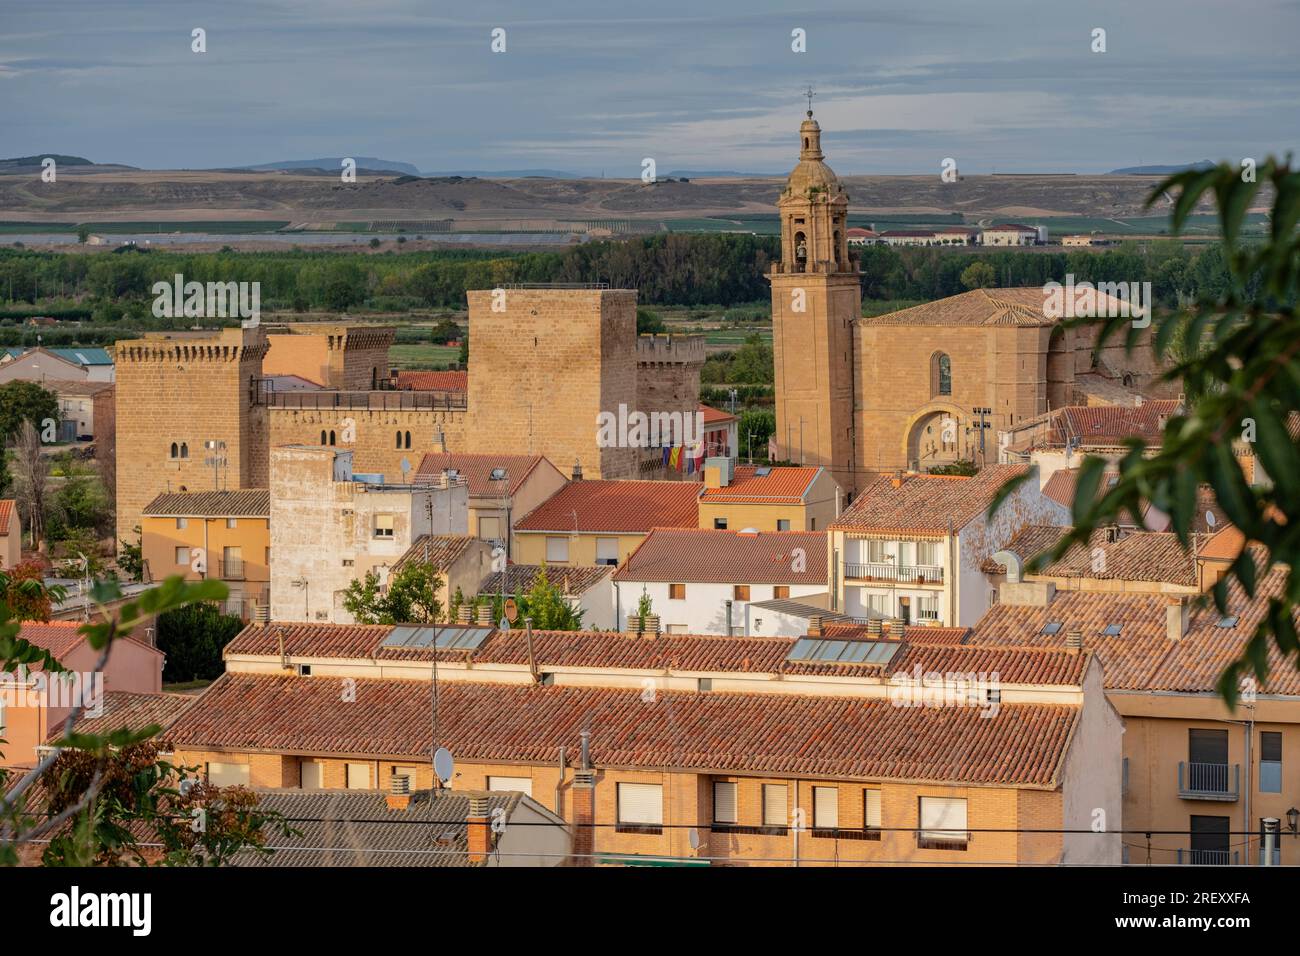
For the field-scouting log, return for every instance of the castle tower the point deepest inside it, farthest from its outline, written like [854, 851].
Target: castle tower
[816, 298]
[175, 392]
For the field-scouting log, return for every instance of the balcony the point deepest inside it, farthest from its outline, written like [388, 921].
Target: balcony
[231, 569]
[1208, 857]
[1209, 781]
[887, 571]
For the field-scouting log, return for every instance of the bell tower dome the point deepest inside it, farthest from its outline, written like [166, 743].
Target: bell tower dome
[814, 210]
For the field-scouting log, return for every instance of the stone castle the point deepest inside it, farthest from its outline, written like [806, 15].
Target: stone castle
[201, 410]
[919, 388]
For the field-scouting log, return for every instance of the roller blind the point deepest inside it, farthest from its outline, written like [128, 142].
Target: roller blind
[943, 818]
[775, 807]
[358, 775]
[826, 807]
[871, 808]
[724, 802]
[641, 803]
[523, 785]
[228, 774]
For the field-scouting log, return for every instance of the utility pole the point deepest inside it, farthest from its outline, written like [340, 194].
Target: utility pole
[801, 461]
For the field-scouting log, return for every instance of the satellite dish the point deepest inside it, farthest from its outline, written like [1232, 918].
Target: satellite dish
[512, 610]
[443, 764]
[694, 837]
[1210, 519]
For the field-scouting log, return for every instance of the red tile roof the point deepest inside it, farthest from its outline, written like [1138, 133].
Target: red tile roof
[977, 307]
[309, 640]
[768, 734]
[57, 637]
[570, 581]
[1111, 424]
[729, 557]
[1153, 556]
[423, 381]
[134, 712]
[7, 506]
[925, 504]
[477, 470]
[440, 550]
[714, 416]
[623, 507]
[780, 485]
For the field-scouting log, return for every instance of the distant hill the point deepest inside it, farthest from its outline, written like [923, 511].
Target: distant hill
[36, 160]
[333, 164]
[507, 174]
[721, 174]
[1158, 170]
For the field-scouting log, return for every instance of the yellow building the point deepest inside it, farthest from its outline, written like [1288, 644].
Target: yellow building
[502, 487]
[768, 498]
[224, 535]
[602, 522]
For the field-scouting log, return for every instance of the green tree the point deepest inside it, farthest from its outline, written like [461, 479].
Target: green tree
[649, 323]
[752, 364]
[193, 638]
[83, 234]
[26, 401]
[411, 597]
[979, 275]
[547, 606]
[1240, 371]
[753, 429]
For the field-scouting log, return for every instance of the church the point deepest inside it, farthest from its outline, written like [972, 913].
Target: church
[923, 387]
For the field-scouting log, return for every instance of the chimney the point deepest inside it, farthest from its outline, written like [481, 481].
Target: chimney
[485, 615]
[896, 628]
[1176, 617]
[651, 624]
[584, 815]
[897, 480]
[261, 615]
[874, 627]
[713, 477]
[815, 626]
[478, 834]
[1074, 639]
[577, 470]
[465, 614]
[399, 792]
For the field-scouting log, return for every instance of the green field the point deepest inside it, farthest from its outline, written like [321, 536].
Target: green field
[223, 227]
[423, 356]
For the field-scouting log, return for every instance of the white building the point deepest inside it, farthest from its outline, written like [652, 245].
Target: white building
[1013, 234]
[912, 546]
[328, 528]
[702, 582]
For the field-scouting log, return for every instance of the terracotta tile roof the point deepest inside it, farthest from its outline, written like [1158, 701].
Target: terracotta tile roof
[728, 557]
[769, 734]
[424, 381]
[912, 633]
[1129, 660]
[977, 307]
[1010, 227]
[308, 640]
[440, 550]
[134, 712]
[1142, 656]
[626, 507]
[682, 653]
[1153, 556]
[570, 581]
[477, 470]
[57, 637]
[250, 503]
[1111, 424]
[358, 828]
[7, 506]
[781, 484]
[925, 504]
[72, 387]
[714, 416]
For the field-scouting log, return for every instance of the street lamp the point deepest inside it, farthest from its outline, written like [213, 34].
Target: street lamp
[1293, 821]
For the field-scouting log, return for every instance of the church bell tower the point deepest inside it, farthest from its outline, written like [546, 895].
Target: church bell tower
[816, 297]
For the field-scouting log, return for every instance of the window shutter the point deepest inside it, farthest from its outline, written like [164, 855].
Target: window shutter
[871, 809]
[943, 818]
[358, 776]
[724, 802]
[557, 549]
[523, 785]
[775, 808]
[641, 803]
[228, 774]
[311, 775]
[826, 808]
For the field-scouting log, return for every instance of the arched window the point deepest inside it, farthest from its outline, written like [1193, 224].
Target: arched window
[800, 252]
[408, 439]
[323, 436]
[185, 450]
[398, 442]
[940, 374]
[331, 436]
[805, 142]
[176, 450]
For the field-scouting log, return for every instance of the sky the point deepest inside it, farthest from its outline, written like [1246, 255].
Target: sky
[596, 86]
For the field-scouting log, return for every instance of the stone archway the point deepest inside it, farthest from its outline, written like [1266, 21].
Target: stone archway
[936, 435]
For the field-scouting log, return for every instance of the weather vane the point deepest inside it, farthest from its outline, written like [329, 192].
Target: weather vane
[810, 94]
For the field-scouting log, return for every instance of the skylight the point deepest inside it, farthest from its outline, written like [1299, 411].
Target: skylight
[843, 652]
[1112, 630]
[762, 471]
[1053, 627]
[1229, 621]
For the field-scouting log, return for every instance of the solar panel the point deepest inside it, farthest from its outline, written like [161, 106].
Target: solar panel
[802, 650]
[843, 652]
[443, 638]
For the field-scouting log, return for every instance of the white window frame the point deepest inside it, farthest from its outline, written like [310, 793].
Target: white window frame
[557, 549]
[522, 785]
[182, 557]
[607, 550]
[942, 822]
[385, 525]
